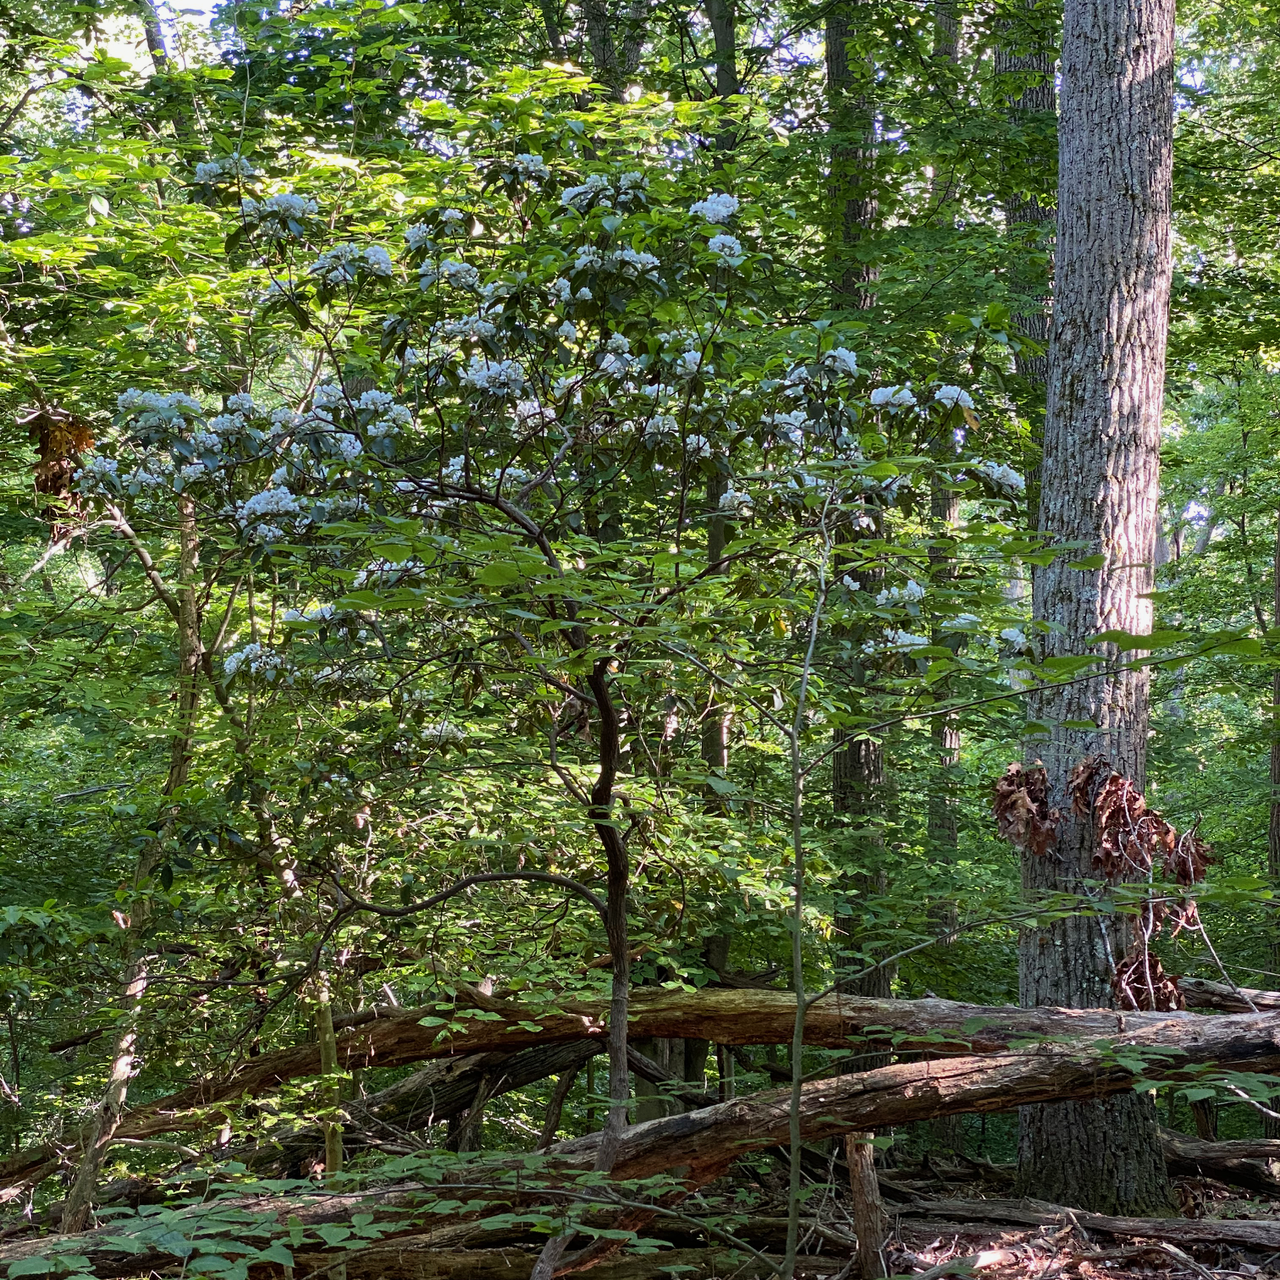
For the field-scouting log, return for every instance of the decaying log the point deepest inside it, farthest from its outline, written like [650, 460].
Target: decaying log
[1258, 1170]
[1247, 1234]
[703, 1144]
[739, 1017]
[439, 1091]
[514, 1264]
[1200, 993]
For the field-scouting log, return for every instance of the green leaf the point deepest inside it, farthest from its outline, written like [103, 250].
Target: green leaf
[31, 1267]
[498, 574]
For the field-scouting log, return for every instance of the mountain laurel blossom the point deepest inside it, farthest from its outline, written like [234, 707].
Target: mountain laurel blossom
[725, 246]
[498, 377]
[999, 474]
[259, 660]
[279, 216]
[893, 398]
[344, 262]
[595, 188]
[232, 166]
[909, 594]
[418, 236]
[718, 207]
[530, 167]
[953, 396]
[842, 360]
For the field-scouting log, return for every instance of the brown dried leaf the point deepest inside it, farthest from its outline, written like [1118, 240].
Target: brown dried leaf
[1140, 983]
[1021, 808]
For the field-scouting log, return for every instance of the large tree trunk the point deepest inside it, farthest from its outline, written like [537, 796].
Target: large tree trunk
[1100, 476]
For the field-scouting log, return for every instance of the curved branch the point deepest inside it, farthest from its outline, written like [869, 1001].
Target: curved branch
[489, 877]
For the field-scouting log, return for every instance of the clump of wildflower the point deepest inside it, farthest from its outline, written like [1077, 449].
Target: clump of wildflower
[718, 207]
[952, 396]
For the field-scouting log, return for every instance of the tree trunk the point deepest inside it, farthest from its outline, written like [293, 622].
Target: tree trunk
[1271, 1127]
[869, 1221]
[110, 1111]
[855, 207]
[332, 1095]
[1099, 487]
[1029, 218]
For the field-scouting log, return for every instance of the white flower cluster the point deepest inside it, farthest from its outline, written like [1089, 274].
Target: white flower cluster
[697, 446]
[562, 291]
[418, 236]
[909, 594]
[842, 361]
[790, 426]
[725, 246]
[953, 396]
[625, 262]
[595, 188]
[735, 500]
[689, 363]
[225, 167]
[386, 573]
[153, 409]
[443, 734]
[530, 168]
[893, 398]
[631, 186]
[904, 640]
[1016, 638]
[894, 639]
[385, 415]
[258, 659]
[253, 512]
[715, 208]
[322, 614]
[964, 622]
[344, 262]
[999, 474]
[279, 216]
[461, 275]
[498, 377]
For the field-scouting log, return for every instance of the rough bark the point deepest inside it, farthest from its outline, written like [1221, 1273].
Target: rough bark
[1099, 488]
[869, 1221]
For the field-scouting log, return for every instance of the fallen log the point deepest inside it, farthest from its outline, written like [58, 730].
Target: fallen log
[439, 1091]
[398, 1037]
[701, 1145]
[704, 1143]
[1244, 1233]
[1200, 993]
[1225, 1161]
